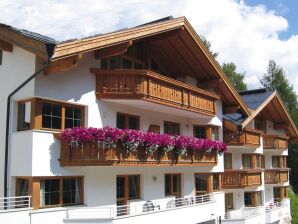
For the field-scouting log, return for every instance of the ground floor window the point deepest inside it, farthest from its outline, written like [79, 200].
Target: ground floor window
[279, 193]
[229, 201]
[128, 188]
[51, 191]
[253, 199]
[206, 183]
[173, 185]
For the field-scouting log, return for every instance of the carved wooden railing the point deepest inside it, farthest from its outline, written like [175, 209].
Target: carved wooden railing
[274, 176]
[91, 155]
[249, 137]
[241, 178]
[275, 142]
[153, 87]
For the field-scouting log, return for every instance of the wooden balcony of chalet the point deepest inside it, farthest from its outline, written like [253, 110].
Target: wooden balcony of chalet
[131, 84]
[247, 138]
[275, 176]
[275, 142]
[91, 155]
[241, 178]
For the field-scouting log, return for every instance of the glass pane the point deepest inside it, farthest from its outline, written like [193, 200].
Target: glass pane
[77, 123]
[246, 161]
[115, 62]
[71, 191]
[276, 192]
[201, 182]
[120, 187]
[248, 198]
[56, 110]
[49, 192]
[77, 113]
[104, 63]
[166, 128]
[259, 198]
[275, 161]
[228, 161]
[176, 183]
[133, 122]
[133, 184]
[46, 122]
[56, 122]
[46, 109]
[230, 200]
[200, 132]
[214, 133]
[167, 184]
[215, 182]
[69, 112]
[258, 161]
[22, 187]
[69, 123]
[121, 121]
[126, 64]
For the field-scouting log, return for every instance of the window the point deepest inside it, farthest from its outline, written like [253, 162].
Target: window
[253, 199]
[24, 114]
[104, 63]
[1, 56]
[126, 63]
[228, 160]
[200, 132]
[201, 183]
[216, 182]
[275, 162]
[128, 121]
[115, 62]
[132, 182]
[247, 161]
[229, 201]
[22, 187]
[260, 125]
[260, 161]
[73, 117]
[134, 187]
[60, 191]
[171, 128]
[51, 116]
[38, 113]
[173, 185]
[279, 193]
[214, 133]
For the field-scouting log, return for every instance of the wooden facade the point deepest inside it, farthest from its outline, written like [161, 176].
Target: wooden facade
[91, 155]
[241, 178]
[153, 87]
[275, 142]
[248, 137]
[275, 176]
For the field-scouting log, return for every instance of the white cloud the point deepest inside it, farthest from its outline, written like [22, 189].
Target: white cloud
[240, 33]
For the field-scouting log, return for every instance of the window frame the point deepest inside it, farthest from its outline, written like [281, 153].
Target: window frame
[126, 120]
[227, 201]
[209, 182]
[254, 198]
[228, 155]
[208, 129]
[126, 185]
[36, 113]
[170, 127]
[254, 157]
[171, 184]
[283, 193]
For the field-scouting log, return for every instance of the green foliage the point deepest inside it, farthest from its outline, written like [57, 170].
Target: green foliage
[294, 206]
[208, 45]
[275, 79]
[236, 78]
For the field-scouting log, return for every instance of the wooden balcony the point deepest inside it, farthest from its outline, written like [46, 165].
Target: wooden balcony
[275, 142]
[152, 87]
[275, 176]
[91, 155]
[248, 138]
[241, 178]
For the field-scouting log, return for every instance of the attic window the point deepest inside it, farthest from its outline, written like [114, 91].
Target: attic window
[1, 55]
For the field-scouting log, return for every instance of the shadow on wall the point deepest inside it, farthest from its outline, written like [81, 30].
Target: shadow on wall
[54, 152]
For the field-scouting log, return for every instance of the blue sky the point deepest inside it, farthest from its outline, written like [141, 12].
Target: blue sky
[285, 8]
[246, 32]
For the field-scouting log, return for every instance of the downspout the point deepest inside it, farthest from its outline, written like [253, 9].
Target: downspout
[8, 123]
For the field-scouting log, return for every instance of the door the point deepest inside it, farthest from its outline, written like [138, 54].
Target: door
[122, 195]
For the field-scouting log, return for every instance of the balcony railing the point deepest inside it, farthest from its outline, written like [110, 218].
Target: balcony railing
[138, 208]
[276, 176]
[91, 155]
[241, 179]
[275, 142]
[9, 203]
[153, 87]
[243, 214]
[249, 138]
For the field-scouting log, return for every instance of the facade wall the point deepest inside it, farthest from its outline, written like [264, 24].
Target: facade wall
[16, 67]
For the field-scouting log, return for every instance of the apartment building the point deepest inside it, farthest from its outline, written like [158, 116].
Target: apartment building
[132, 127]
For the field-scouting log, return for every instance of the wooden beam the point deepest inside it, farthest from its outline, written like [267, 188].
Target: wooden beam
[164, 37]
[231, 109]
[113, 50]
[5, 46]
[209, 84]
[63, 64]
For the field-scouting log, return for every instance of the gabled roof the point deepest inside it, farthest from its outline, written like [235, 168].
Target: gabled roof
[187, 45]
[268, 105]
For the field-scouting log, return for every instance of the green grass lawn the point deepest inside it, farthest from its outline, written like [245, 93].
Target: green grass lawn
[294, 206]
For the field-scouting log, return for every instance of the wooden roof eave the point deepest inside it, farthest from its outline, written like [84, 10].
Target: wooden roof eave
[263, 105]
[110, 39]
